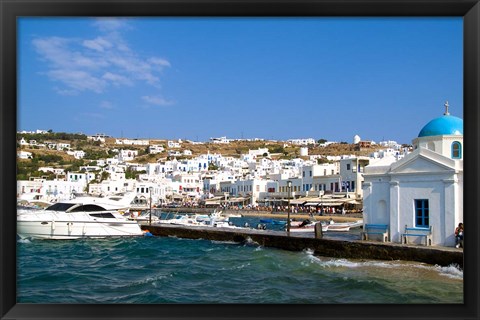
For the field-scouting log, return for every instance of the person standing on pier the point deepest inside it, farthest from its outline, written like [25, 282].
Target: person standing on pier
[459, 235]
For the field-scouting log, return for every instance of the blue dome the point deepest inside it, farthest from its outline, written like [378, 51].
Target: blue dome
[445, 125]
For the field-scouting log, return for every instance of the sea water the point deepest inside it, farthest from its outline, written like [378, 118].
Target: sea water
[172, 270]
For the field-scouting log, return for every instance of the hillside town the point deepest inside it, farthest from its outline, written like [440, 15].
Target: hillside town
[255, 179]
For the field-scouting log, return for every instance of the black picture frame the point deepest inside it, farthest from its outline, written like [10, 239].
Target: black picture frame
[10, 10]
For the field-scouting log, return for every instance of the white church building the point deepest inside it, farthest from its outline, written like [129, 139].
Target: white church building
[422, 190]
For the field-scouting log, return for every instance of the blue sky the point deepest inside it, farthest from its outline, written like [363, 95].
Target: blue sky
[271, 78]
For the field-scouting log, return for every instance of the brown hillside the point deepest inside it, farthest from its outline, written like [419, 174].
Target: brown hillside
[278, 150]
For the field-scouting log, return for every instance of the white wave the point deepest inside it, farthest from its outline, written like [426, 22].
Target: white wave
[328, 262]
[26, 240]
[236, 267]
[343, 262]
[149, 280]
[309, 251]
[346, 263]
[249, 241]
[452, 271]
[223, 242]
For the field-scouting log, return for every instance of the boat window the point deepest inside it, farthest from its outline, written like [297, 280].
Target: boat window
[88, 208]
[102, 215]
[60, 206]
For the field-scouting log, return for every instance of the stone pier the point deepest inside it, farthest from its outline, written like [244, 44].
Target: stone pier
[351, 249]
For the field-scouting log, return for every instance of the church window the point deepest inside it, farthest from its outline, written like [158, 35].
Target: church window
[456, 150]
[421, 213]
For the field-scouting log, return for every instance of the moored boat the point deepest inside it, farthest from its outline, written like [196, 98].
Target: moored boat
[306, 226]
[344, 226]
[84, 217]
[182, 219]
[233, 215]
[142, 217]
[214, 216]
[195, 221]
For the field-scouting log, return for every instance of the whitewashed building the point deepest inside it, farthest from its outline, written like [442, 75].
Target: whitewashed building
[110, 187]
[155, 148]
[77, 154]
[81, 177]
[23, 142]
[100, 137]
[127, 155]
[24, 155]
[302, 142]
[173, 144]
[134, 142]
[252, 155]
[58, 171]
[223, 140]
[49, 190]
[423, 189]
[351, 174]
[63, 146]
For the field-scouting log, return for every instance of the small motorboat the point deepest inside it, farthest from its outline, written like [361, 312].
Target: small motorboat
[183, 219]
[338, 227]
[306, 226]
[214, 216]
[343, 226]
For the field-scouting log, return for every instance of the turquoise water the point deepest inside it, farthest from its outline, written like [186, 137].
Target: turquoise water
[172, 270]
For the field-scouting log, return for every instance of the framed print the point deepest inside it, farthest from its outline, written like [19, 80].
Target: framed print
[148, 78]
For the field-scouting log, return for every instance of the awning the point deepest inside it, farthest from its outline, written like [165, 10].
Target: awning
[298, 201]
[324, 203]
[354, 202]
[214, 202]
[239, 199]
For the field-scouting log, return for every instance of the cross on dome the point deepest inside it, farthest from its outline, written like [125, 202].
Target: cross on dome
[444, 125]
[446, 108]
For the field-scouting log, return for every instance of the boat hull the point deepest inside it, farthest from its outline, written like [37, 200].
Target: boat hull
[76, 230]
[333, 227]
[308, 228]
[344, 226]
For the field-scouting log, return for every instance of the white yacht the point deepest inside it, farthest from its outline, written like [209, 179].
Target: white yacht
[82, 217]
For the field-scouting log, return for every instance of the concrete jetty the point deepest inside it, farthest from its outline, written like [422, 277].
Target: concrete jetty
[351, 249]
